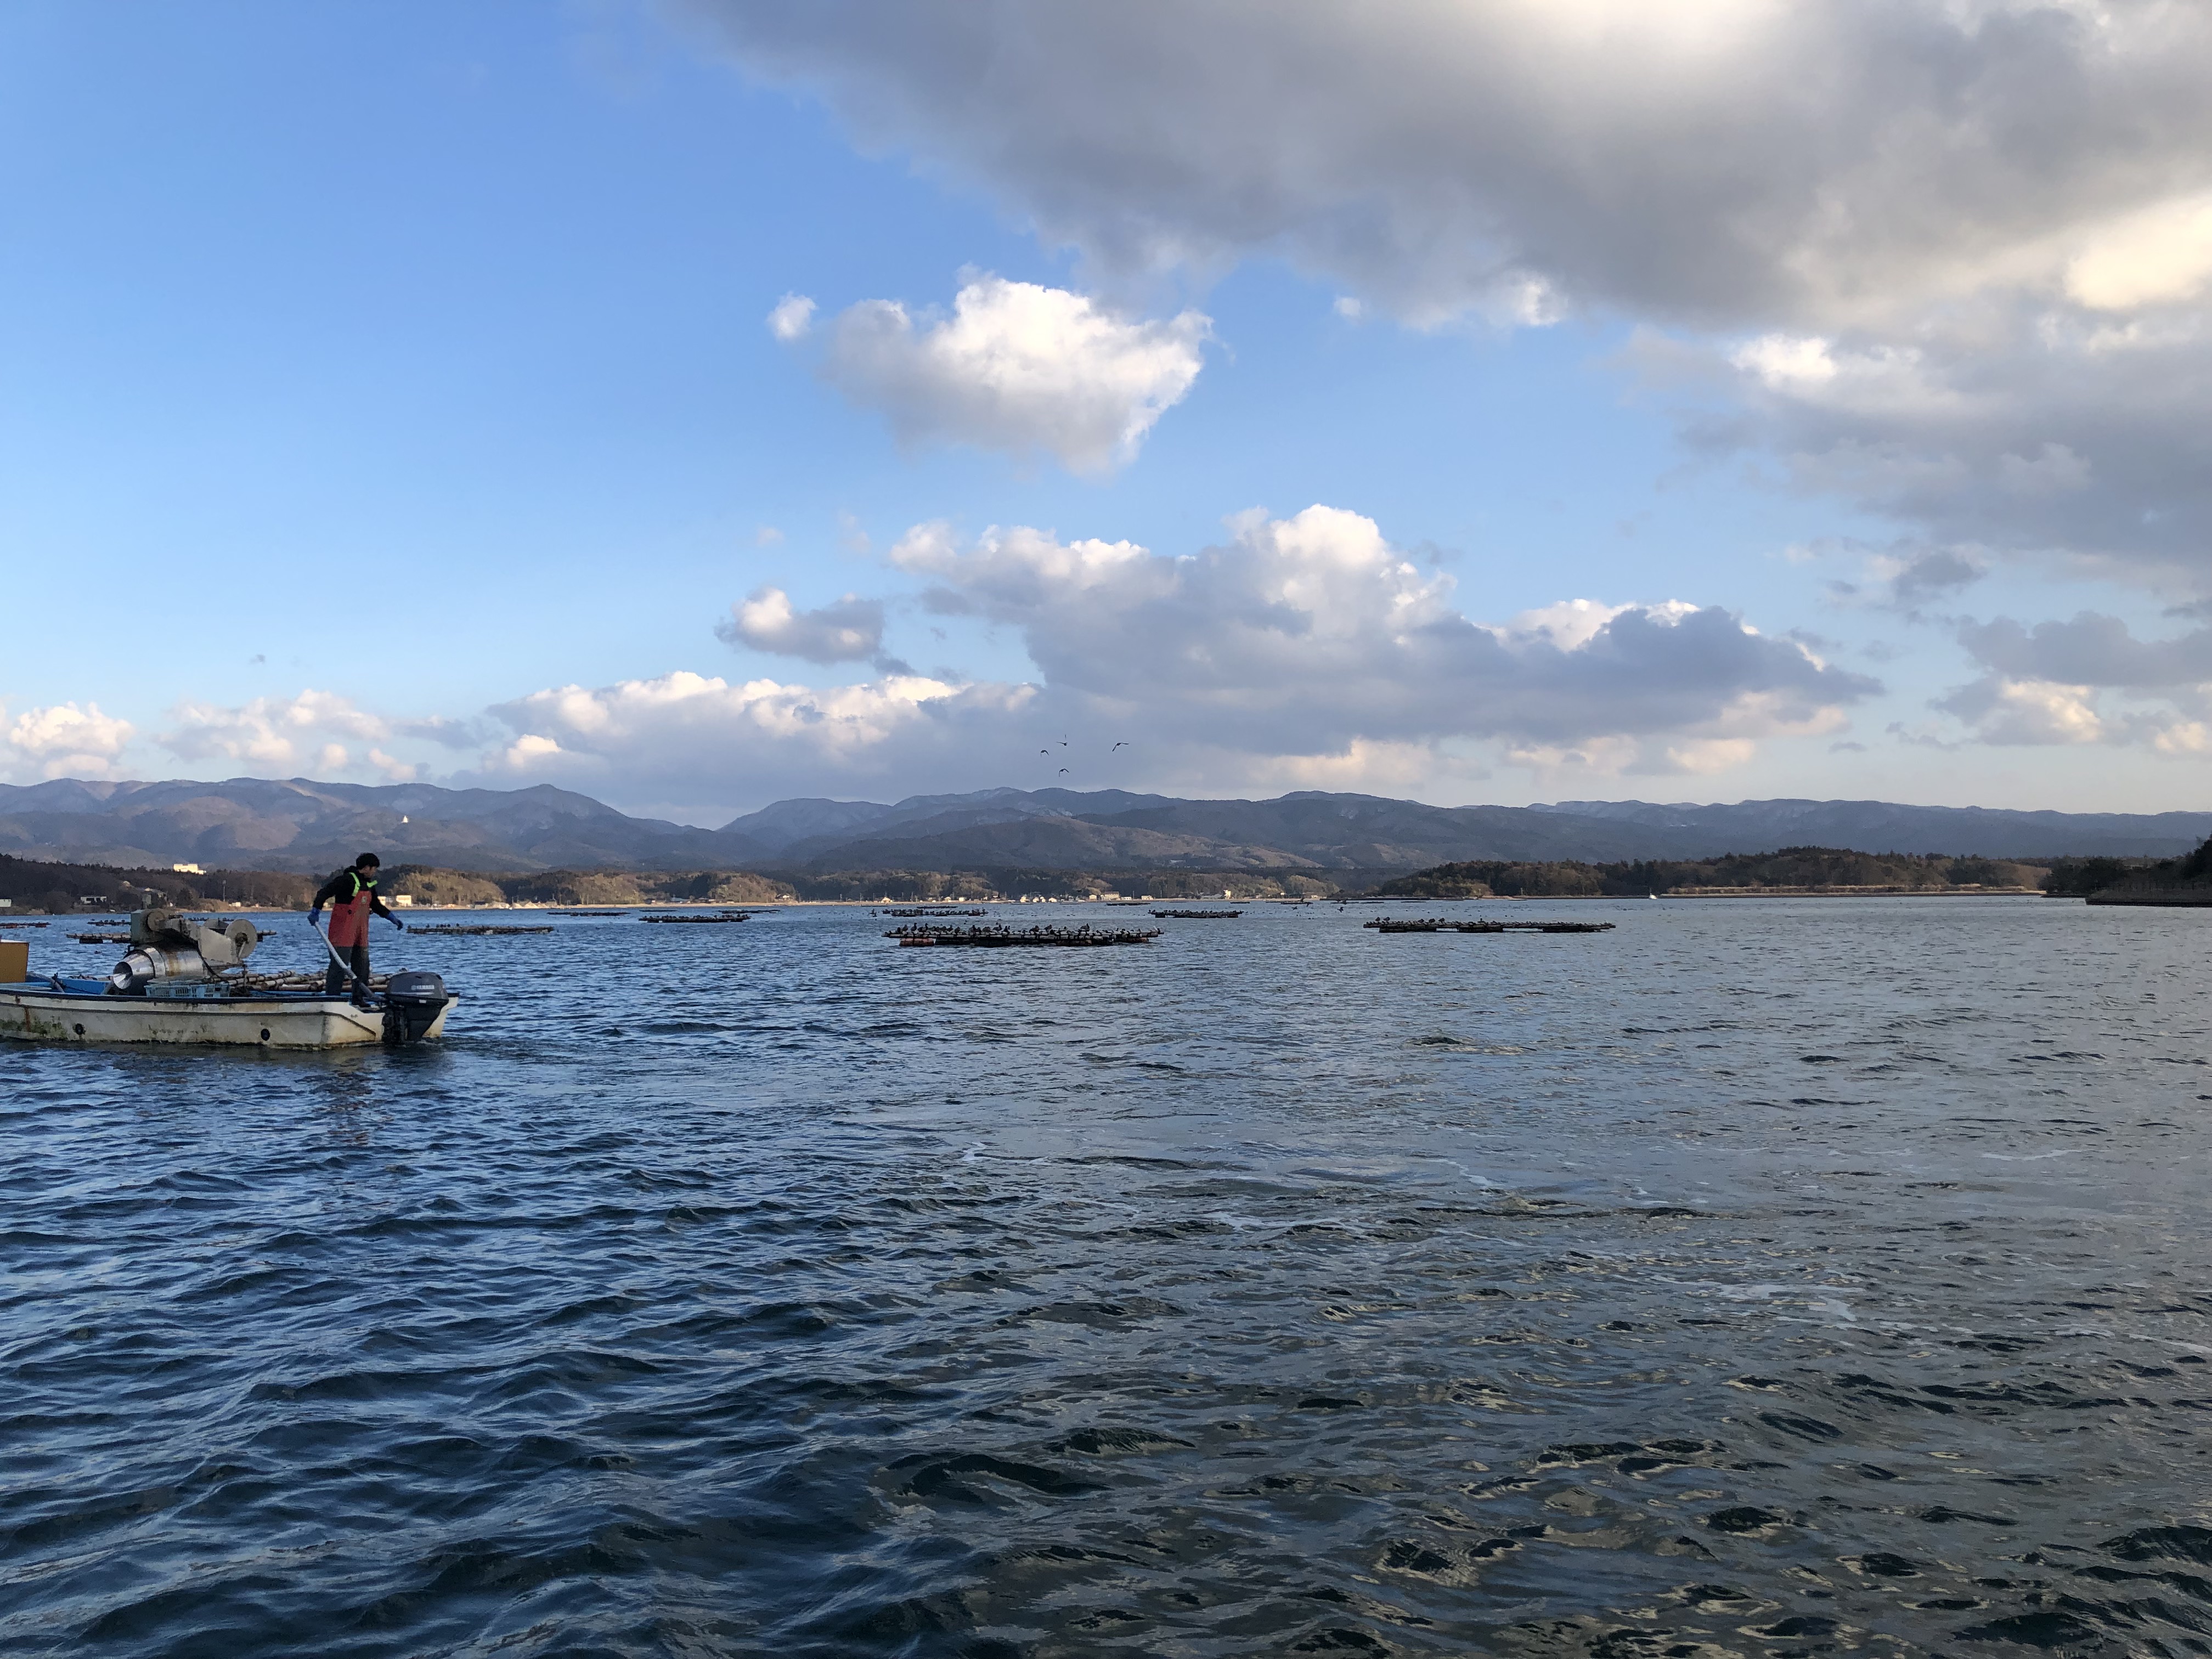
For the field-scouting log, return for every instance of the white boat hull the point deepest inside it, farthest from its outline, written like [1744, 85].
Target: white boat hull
[41, 1015]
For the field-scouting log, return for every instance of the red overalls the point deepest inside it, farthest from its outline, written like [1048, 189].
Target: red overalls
[350, 917]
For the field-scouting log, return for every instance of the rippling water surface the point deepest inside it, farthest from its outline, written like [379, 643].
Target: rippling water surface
[1761, 1277]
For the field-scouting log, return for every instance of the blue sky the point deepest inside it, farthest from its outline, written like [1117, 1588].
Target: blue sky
[390, 393]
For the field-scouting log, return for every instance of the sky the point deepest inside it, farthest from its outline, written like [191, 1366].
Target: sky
[700, 402]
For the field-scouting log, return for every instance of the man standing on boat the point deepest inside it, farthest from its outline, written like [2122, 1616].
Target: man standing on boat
[351, 895]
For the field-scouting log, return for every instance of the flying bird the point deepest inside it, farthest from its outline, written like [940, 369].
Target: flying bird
[1124, 744]
[1063, 771]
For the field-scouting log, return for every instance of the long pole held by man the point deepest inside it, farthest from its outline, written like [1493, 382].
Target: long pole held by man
[351, 894]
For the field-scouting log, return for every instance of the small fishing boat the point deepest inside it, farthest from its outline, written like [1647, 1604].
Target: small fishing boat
[412, 1009]
[186, 981]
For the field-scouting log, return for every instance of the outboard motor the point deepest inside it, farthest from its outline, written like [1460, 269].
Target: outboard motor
[412, 1003]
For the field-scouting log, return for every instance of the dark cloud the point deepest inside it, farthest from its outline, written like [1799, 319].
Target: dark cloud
[2025, 429]
[2086, 680]
[1717, 163]
[2090, 650]
[1936, 574]
[1973, 240]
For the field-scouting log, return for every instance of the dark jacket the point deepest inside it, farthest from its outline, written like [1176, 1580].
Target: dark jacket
[347, 885]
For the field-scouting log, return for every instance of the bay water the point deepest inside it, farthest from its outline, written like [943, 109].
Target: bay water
[1762, 1276]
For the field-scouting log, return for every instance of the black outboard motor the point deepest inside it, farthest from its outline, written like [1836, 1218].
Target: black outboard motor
[412, 1003]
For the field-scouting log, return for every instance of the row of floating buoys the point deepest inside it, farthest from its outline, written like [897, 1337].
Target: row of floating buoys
[1442, 925]
[1000, 936]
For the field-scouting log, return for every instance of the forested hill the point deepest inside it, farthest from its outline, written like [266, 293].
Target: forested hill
[310, 828]
[1791, 868]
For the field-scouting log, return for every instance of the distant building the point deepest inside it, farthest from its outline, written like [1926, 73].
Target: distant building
[188, 869]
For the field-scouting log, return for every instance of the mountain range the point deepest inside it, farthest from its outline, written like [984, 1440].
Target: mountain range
[304, 826]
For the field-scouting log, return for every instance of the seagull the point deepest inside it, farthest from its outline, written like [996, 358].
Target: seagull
[1063, 771]
[1044, 751]
[1124, 744]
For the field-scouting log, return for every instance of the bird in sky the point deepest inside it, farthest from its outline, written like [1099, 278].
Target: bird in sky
[1044, 751]
[1124, 744]
[1063, 771]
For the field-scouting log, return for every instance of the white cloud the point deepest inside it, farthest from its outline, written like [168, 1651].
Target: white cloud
[1554, 762]
[1572, 624]
[756, 740]
[316, 733]
[850, 630]
[2027, 711]
[1706, 756]
[1018, 368]
[62, 740]
[792, 318]
[275, 732]
[2157, 256]
[2086, 680]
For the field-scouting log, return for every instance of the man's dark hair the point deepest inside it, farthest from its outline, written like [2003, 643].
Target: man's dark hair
[368, 860]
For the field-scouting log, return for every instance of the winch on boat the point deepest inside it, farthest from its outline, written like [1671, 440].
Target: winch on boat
[173, 955]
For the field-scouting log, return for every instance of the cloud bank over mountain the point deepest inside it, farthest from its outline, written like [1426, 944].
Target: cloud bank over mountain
[61, 740]
[1298, 650]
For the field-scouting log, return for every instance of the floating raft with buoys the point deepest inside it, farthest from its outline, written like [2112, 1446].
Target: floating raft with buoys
[1002, 937]
[455, 928]
[1443, 925]
[910, 913]
[702, 921]
[1200, 915]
